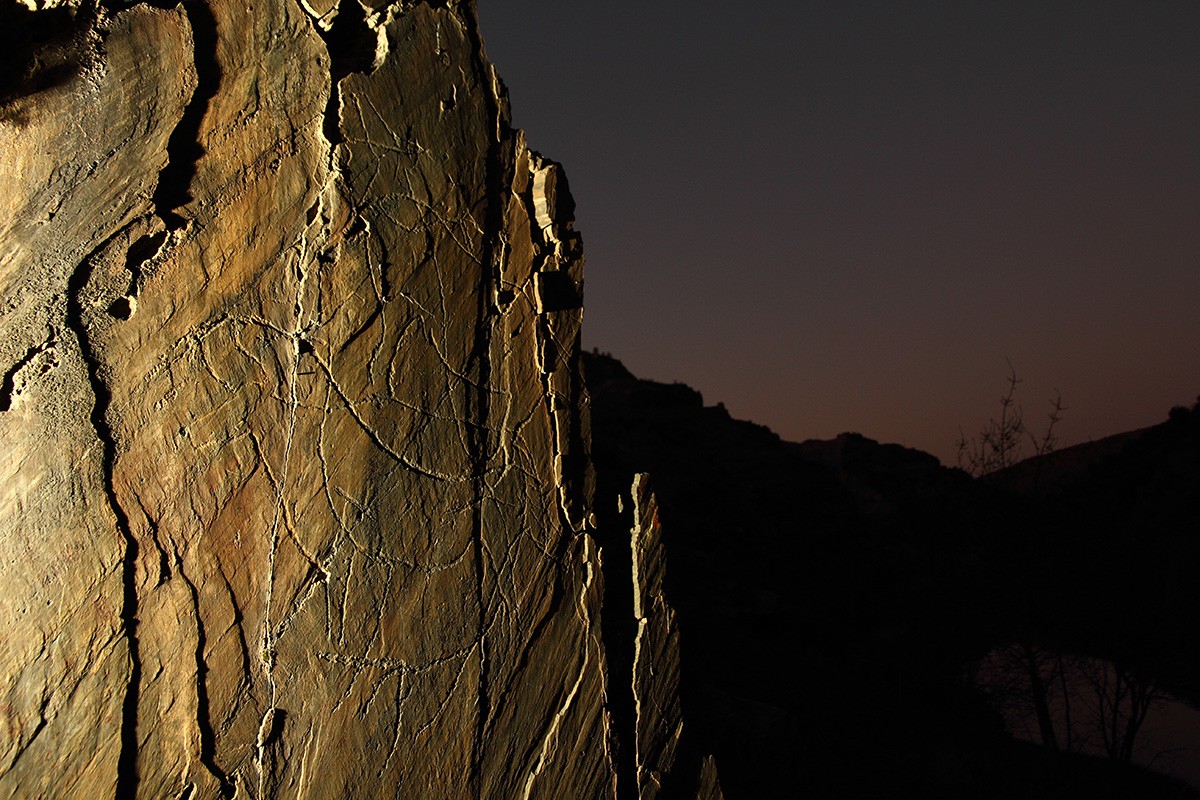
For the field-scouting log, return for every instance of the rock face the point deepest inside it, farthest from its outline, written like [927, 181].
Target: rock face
[295, 492]
[655, 647]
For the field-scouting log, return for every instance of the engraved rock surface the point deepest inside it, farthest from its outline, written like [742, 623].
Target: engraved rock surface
[295, 485]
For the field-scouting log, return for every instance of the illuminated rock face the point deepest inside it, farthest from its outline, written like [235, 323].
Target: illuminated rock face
[659, 719]
[295, 492]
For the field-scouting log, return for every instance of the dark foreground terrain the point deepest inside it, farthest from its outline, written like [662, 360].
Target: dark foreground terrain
[836, 598]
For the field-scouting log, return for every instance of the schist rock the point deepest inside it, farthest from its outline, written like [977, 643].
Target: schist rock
[658, 716]
[296, 498]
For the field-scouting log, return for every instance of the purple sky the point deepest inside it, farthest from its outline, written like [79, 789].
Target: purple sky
[845, 215]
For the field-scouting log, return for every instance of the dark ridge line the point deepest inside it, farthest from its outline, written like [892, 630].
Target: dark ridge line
[127, 770]
[208, 737]
[141, 251]
[578, 454]
[184, 150]
[238, 618]
[385, 281]
[164, 564]
[558, 594]
[366, 326]
[350, 43]
[497, 177]
[618, 627]
[41, 725]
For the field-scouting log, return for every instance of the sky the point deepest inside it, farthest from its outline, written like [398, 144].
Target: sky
[846, 215]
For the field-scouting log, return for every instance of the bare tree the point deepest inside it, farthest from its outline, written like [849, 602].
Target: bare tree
[1027, 682]
[1069, 703]
[999, 445]
[1120, 701]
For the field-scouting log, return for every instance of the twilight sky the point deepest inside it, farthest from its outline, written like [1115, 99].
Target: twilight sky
[845, 215]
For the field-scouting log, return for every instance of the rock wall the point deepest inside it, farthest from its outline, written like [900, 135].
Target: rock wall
[294, 490]
[659, 719]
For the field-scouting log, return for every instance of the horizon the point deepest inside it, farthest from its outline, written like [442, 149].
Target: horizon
[847, 217]
[1025, 451]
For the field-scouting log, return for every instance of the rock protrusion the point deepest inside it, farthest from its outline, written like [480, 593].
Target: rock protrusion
[295, 492]
[659, 717]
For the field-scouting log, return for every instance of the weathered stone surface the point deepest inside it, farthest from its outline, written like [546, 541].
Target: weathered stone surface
[656, 648]
[709, 784]
[295, 485]
[655, 750]
[658, 713]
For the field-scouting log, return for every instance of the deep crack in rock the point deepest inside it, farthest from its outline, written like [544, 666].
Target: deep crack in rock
[127, 766]
[327, 400]
[184, 148]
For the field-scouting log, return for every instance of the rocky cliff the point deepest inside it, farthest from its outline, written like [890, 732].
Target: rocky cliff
[295, 492]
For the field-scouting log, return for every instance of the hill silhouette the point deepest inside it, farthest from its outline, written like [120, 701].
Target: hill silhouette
[836, 598]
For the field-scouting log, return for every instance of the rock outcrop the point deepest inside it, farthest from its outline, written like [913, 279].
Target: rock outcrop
[295, 493]
[655, 647]
[834, 599]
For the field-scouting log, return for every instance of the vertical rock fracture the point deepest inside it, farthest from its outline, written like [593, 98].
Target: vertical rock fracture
[295, 487]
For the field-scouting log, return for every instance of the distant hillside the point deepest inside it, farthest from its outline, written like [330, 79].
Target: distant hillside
[1068, 466]
[835, 597]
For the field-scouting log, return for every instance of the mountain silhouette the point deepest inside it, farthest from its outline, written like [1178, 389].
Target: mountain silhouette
[835, 598]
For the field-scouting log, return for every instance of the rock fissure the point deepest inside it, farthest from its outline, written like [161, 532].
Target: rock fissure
[549, 745]
[142, 253]
[127, 766]
[14, 381]
[496, 180]
[23, 747]
[184, 148]
[331, 370]
[164, 561]
[356, 42]
[618, 628]
[208, 738]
